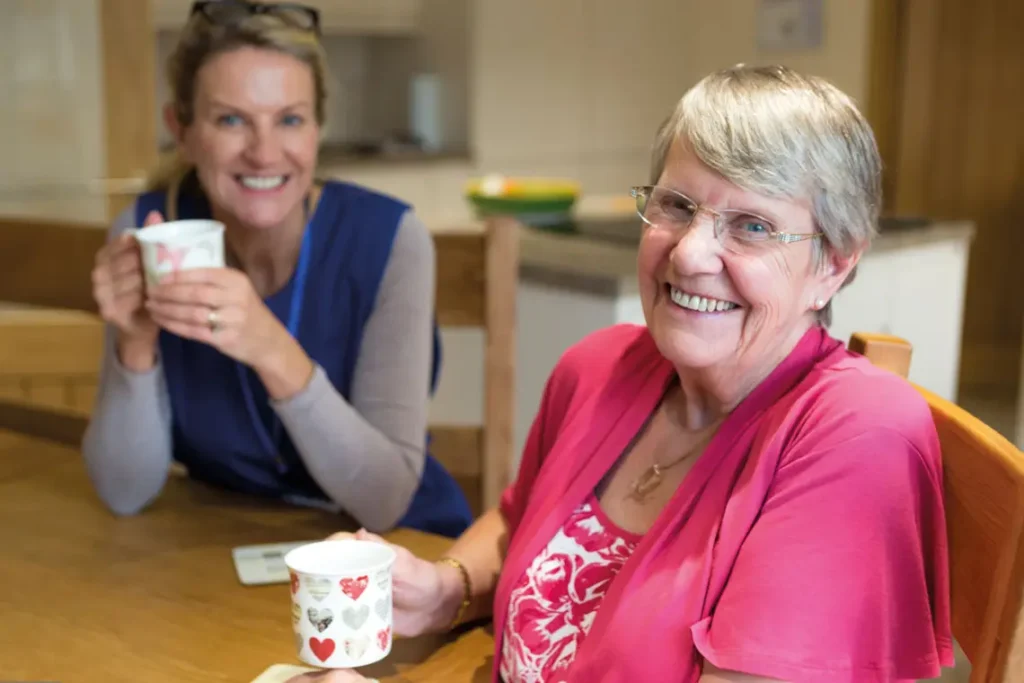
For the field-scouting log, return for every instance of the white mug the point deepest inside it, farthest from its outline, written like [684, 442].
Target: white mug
[341, 602]
[180, 245]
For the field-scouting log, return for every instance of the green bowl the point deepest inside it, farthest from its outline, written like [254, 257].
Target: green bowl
[539, 202]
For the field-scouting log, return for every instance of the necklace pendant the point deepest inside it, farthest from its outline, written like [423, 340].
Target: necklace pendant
[647, 482]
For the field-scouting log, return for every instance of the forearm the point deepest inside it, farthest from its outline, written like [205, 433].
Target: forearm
[127, 445]
[370, 475]
[287, 370]
[481, 550]
[367, 454]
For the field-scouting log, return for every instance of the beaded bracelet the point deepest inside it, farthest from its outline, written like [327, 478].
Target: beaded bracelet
[467, 591]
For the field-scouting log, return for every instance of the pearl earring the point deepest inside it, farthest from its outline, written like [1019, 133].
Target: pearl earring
[819, 304]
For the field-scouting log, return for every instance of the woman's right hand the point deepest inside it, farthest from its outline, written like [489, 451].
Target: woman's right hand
[119, 288]
[424, 598]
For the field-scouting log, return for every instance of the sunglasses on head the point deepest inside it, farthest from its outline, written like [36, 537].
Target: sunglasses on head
[229, 12]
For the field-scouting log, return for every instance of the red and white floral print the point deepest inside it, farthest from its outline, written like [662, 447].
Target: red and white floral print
[554, 604]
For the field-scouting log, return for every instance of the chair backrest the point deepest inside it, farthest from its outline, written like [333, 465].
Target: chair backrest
[477, 280]
[984, 499]
[48, 358]
[48, 263]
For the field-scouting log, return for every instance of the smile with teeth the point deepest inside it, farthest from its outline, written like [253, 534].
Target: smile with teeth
[271, 182]
[699, 303]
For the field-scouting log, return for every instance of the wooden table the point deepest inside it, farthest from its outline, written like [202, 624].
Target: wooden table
[89, 597]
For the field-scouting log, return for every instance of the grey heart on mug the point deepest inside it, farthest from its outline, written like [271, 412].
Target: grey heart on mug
[318, 588]
[321, 619]
[381, 607]
[355, 617]
[299, 641]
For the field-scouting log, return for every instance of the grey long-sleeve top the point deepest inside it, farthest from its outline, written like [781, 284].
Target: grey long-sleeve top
[367, 455]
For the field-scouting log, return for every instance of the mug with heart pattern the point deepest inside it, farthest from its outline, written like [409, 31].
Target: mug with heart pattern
[341, 592]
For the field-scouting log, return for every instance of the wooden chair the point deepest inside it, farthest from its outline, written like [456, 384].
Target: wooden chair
[477, 278]
[48, 358]
[984, 496]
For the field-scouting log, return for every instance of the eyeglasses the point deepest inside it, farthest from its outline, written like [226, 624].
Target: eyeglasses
[736, 230]
[230, 12]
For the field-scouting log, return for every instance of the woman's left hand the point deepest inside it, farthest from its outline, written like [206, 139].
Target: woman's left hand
[219, 307]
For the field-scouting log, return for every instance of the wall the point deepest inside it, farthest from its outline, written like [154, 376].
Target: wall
[51, 118]
[725, 33]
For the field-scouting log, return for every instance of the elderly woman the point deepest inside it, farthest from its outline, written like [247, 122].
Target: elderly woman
[726, 494]
[303, 370]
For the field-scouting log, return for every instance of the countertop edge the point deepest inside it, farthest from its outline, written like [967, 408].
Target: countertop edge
[570, 261]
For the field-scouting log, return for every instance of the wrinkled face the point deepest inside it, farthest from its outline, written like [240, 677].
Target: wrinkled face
[255, 136]
[759, 299]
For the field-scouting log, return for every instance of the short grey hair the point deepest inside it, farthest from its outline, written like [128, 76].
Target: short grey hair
[784, 134]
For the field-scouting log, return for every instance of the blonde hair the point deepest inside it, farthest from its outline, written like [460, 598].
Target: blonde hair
[780, 133]
[200, 41]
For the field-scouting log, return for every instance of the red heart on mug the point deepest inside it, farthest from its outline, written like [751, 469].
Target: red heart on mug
[382, 638]
[295, 582]
[353, 588]
[321, 648]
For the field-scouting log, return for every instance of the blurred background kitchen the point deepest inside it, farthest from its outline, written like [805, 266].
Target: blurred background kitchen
[428, 94]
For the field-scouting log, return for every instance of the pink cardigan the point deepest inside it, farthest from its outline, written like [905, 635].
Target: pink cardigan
[807, 544]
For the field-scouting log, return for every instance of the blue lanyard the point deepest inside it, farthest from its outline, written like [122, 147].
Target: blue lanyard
[271, 441]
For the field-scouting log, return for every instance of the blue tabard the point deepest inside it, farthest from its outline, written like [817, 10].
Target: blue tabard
[224, 429]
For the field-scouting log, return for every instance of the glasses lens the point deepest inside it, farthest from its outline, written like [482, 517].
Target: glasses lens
[226, 11]
[663, 205]
[745, 228]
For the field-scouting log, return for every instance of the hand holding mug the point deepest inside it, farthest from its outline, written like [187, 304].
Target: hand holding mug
[119, 288]
[219, 307]
[418, 587]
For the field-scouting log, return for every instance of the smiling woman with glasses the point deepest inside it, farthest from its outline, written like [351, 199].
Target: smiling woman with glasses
[725, 494]
[303, 370]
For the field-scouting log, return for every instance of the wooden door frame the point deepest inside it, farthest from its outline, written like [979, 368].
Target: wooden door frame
[128, 46]
[884, 101]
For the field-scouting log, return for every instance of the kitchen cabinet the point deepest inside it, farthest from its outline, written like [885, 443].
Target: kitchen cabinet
[915, 292]
[337, 17]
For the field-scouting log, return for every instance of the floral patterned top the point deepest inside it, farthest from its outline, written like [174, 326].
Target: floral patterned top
[553, 605]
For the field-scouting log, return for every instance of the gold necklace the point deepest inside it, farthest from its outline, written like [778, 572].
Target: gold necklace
[651, 478]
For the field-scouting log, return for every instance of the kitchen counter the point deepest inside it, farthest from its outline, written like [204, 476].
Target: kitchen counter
[602, 251]
[341, 158]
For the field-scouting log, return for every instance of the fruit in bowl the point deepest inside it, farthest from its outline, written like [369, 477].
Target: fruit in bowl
[541, 202]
